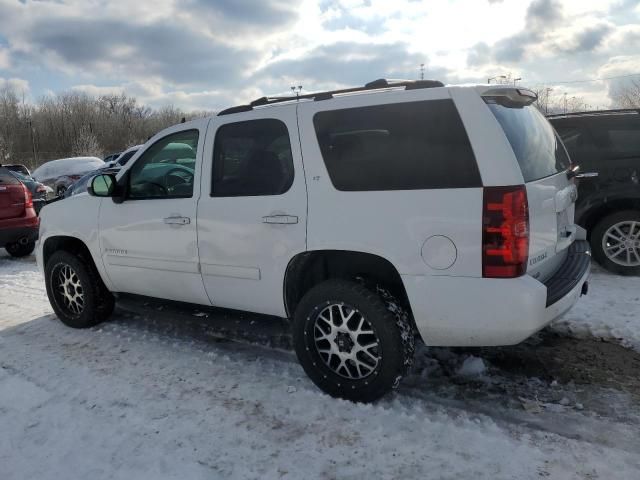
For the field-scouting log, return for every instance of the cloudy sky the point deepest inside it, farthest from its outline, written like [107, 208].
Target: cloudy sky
[200, 54]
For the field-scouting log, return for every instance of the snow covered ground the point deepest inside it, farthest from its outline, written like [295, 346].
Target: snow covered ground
[154, 397]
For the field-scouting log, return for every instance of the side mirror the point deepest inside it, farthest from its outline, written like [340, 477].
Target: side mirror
[102, 185]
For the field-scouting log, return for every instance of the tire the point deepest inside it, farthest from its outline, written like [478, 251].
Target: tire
[376, 372]
[82, 281]
[20, 249]
[605, 231]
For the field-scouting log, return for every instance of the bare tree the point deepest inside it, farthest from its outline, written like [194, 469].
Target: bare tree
[74, 123]
[85, 144]
[627, 95]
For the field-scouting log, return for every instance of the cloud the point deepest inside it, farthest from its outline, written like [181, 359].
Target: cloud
[263, 14]
[19, 85]
[4, 58]
[163, 49]
[589, 39]
[350, 63]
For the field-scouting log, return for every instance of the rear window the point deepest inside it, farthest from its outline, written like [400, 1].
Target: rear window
[400, 146]
[535, 144]
[6, 178]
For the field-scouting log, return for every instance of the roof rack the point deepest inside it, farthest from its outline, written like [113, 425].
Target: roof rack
[595, 112]
[319, 96]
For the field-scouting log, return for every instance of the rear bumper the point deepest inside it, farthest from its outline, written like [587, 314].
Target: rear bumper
[12, 235]
[465, 311]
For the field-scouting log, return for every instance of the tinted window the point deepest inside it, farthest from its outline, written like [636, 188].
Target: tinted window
[626, 142]
[401, 146]
[124, 158]
[252, 158]
[6, 178]
[535, 144]
[166, 168]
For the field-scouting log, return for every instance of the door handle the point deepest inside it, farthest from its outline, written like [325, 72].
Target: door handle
[177, 220]
[280, 219]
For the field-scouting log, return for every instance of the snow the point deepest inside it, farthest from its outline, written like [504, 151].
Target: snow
[139, 398]
[611, 310]
[472, 366]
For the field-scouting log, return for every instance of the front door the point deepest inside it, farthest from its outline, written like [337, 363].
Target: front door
[149, 241]
[253, 208]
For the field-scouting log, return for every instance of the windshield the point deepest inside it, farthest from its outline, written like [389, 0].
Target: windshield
[536, 145]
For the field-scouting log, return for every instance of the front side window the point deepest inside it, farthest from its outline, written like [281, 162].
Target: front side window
[400, 146]
[252, 158]
[166, 169]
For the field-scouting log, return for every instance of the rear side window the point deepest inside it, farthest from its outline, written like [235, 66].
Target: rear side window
[6, 178]
[535, 144]
[400, 146]
[625, 141]
[252, 158]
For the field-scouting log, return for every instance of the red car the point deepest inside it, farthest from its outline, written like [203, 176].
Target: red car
[19, 223]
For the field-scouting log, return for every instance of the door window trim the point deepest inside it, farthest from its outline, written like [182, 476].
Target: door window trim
[127, 175]
[212, 193]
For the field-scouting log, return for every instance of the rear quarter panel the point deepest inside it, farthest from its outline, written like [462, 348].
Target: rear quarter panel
[391, 224]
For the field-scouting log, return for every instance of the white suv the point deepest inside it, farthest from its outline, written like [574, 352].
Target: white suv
[364, 215]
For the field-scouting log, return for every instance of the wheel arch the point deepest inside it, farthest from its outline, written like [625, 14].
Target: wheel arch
[606, 207]
[69, 244]
[307, 269]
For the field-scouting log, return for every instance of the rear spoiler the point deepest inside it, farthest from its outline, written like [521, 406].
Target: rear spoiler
[510, 97]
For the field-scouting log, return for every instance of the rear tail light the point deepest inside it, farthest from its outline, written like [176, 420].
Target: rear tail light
[505, 232]
[28, 199]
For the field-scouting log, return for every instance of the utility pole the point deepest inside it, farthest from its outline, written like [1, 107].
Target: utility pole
[33, 145]
[422, 71]
[546, 107]
[296, 90]
[565, 102]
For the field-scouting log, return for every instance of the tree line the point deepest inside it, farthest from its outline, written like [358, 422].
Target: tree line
[76, 124]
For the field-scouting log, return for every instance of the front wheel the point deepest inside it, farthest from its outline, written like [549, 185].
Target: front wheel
[615, 242]
[76, 291]
[352, 342]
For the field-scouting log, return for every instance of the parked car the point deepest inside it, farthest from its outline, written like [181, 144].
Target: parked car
[18, 220]
[608, 206]
[80, 185]
[16, 167]
[59, 174]
[361, 217]
[126, 156]
[40, 193]
[111, 157]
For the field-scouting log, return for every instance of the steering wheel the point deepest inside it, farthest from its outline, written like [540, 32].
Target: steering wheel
[177, 173]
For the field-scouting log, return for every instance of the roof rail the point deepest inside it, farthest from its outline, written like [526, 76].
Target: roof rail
[595, 112]
[319, 96]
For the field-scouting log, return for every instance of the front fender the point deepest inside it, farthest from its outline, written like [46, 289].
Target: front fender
[75, 217]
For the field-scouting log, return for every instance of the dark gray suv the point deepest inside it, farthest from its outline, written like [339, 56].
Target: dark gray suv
[608, 206]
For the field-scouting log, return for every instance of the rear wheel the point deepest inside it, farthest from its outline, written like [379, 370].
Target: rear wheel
[76, 291]
[18, 249]
[352, 342]
[615, 242]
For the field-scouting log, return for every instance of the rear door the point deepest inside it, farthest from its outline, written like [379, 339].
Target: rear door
[252, 215]
[11, 195]
[543, 161]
